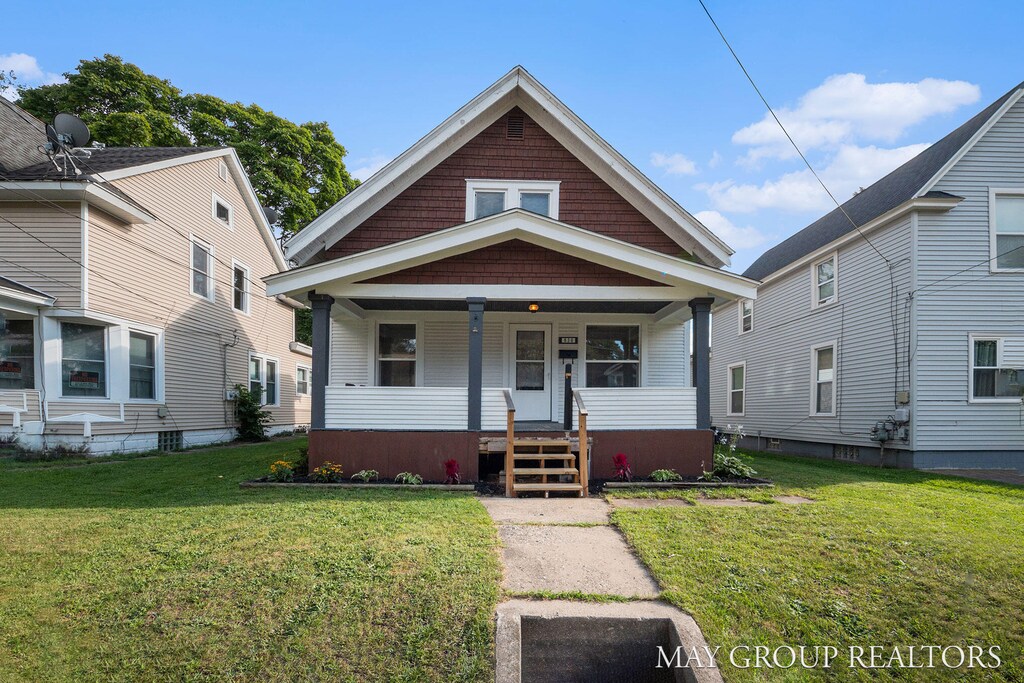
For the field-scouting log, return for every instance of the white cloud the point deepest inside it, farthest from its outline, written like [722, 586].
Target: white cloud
[846, 108]
[367, 166]
[735, 236]
[27, 72]
[673, 164]
[715, 159]
[851, 168]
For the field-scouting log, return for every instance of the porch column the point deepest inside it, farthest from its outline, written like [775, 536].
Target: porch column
[702, 358]
[321, 304]
[476, 361]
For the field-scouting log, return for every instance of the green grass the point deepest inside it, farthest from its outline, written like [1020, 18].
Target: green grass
[883, 557]
[163, 569]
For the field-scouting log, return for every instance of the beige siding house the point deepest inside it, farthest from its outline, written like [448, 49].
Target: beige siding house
[131, 302]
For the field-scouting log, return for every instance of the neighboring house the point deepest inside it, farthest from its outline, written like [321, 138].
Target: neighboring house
[929, 340]
[131, 299]
[452, 287]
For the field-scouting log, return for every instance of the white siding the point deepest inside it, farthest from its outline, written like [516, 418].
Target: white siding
[639, 408]
[668, 355]
[445, 353]
[416, 408]
[493, 410]
[349, 352]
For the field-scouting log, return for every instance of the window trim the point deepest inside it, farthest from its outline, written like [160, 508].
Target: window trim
[210, 261]
[418, 371]
[999, 339]
[217, 199]
[834, 345]
[815, 285]
[993, 194]
[309, 380]
[730, 389]
[739, 308]
[106, 361]
[263, 359]
[238, 265]
[513, 189]
[639, 359]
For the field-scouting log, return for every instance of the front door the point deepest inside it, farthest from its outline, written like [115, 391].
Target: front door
[530, 372]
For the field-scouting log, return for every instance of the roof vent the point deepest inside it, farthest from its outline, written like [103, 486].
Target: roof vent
[514, 127]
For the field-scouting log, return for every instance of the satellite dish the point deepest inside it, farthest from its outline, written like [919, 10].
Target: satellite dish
[71, 130]
[271, 215]
[51, 137]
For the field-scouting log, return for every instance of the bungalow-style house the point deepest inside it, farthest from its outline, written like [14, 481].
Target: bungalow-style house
[912, 354]
[131, 299]
[509, 290]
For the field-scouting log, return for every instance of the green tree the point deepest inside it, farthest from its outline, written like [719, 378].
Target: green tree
[297, 169]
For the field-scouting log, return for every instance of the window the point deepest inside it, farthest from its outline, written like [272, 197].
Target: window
[222, 211]
[83, 360]
[141, 365]
[169, 441]
[263, 379]
[823, 385]
[746, 315]
[302, 375]
[240, 288]
[1007, 230]
[488, 197]
[824, 273]
[202, 269]
[737, 388]
[994, 376]
[396, 355]
[17, 354]
[613, 356]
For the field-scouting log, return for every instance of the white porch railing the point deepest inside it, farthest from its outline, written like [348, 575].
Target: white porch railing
[639, 408]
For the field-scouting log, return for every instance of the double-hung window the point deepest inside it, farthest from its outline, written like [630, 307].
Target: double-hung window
[1006, 211]
[488, 197]
[83, 360]
[613, 356]
[824, 276]
[240, 288]
[141, 366]
[997, 368]
[263, 379]
[823, 380]
[396, 355]
[202, 269]
[737, 389]
[302, 376]
[17, 354]
[746, 315]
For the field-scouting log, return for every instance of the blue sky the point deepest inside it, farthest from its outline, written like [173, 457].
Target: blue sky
[864, 85]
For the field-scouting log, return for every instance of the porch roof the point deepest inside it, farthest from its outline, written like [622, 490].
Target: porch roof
[674, 279]
[22, 298]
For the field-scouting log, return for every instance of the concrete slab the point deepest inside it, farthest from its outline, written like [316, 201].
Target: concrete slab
[728, 502]
[647, 503]
[793, 500]
[546, 510]
[563, 559]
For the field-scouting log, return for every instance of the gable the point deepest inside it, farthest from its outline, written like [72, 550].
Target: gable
[514, 262]
[438, 199]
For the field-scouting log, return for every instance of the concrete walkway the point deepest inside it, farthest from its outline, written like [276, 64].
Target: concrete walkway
[566, 545]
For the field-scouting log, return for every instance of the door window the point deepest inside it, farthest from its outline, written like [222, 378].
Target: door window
[530, 360]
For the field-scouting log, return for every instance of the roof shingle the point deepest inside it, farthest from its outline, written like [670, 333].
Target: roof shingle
[104, 159]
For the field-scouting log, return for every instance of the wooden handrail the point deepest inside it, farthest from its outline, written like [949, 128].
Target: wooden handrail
[510, 435]
[584, 467]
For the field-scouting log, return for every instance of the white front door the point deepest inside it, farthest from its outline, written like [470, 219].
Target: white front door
[530, 371]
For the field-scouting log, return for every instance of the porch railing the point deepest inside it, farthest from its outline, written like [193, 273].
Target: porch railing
[510, 439]
[635, 408]
[412, 408]
[582, 416]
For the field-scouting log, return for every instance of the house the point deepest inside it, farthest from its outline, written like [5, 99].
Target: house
[131, 299]
[902, 338]
[510, 286]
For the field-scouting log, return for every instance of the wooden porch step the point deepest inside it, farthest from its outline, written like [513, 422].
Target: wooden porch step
[541, 442]
[551, 486]
[545, 470]
[565, 457]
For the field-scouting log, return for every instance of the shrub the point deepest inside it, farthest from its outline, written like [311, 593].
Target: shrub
[302, 463]
[728, 465]
[408, 478]
[282, 470]
[366, 475]
[451, 471]
[665, 475]
[252, 418]
[622, 470]
[328, 473]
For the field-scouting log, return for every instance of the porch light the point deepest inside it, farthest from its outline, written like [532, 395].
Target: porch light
[533, 308]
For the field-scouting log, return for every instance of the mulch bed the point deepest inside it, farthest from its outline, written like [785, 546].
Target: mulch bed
[685, 483]
[303, 481]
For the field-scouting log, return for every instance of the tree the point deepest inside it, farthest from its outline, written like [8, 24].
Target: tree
[298, 170]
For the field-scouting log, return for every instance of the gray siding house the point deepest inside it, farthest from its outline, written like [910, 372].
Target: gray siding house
[909, 326]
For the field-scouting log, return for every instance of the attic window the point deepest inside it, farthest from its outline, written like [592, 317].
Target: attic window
[514, 128]
[222, 211]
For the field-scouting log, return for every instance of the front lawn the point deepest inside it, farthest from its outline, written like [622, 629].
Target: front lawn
[884, 557]
[163, 569]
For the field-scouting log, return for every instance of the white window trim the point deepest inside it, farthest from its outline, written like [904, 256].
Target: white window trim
[641, 338]
[834, 257]
[210, 262]
[309, 380]
[728, 393]
[375, 359]
[993, 194]
[247, 309]
[213, 211]
[512, 190]
[998, 338]
[263, 358]
[739, 306]
[834, 344]
[106, 362]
